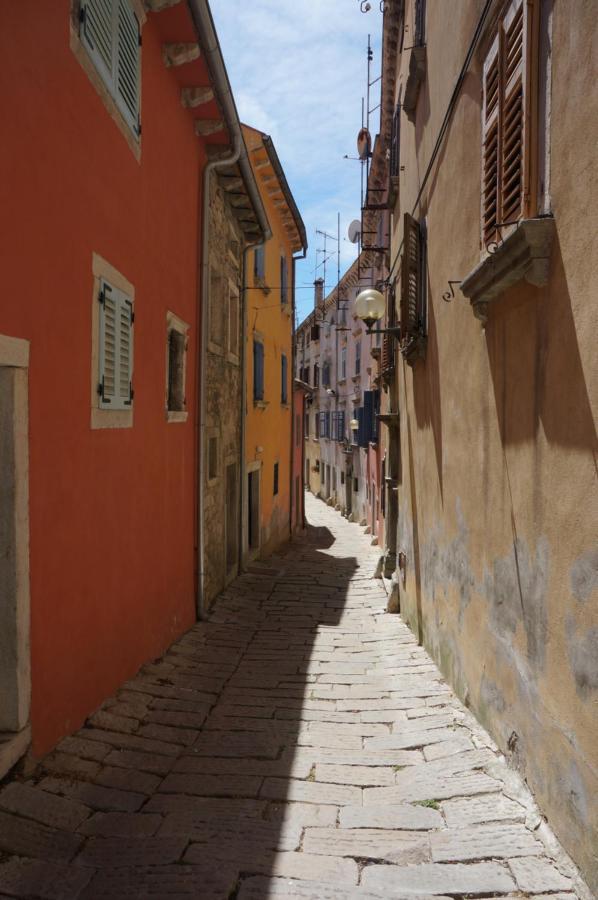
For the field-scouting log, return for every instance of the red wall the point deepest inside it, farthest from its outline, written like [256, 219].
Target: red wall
[111, 511]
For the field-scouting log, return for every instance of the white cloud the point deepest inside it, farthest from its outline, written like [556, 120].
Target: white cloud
[298, 72]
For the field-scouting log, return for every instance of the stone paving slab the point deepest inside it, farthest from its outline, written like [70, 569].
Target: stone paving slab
[298, 743]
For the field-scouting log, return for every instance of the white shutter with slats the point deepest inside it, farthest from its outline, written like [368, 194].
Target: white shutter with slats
[97, 33]
[115, 348]
[127, 63]
[110, 32]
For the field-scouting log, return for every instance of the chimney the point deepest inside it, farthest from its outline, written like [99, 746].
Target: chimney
[319, 293]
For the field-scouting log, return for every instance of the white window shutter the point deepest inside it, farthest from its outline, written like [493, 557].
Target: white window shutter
[127, 62]
[97, 33]
[115, 348]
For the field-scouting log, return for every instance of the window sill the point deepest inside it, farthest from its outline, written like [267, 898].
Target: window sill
[179, 415]
[260, 283]
[523, 256]
[356, 377]
[342, 381]
[261, 404]
[285, 404]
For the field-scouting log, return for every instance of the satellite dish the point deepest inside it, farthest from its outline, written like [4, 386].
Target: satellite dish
[364, 144]
[354, 231]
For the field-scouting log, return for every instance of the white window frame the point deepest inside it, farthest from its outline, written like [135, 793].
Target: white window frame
[105, 416]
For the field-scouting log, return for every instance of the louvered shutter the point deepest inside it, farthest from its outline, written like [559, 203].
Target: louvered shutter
[513, 112]
[110, 32]
[115, 348]
[258, 370]
[283, 371]
[368, 416]
[97, 34]
[490, 150]
[341, 425]
[410, 278]
[127, 63]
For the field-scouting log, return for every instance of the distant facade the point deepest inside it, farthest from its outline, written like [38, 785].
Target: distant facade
[270, 426]
[494, 200]
[341, 365]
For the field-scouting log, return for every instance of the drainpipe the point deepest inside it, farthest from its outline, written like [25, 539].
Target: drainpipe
[207, 37]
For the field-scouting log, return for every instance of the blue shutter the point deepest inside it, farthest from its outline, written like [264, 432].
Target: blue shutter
[258, 370]
[375, 416]
[361, 431]
[368, 416]
[283, 368]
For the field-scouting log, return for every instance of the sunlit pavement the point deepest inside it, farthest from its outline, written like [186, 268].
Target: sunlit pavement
[299, 744]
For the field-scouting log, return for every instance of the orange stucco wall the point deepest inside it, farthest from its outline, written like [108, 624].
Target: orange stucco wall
[111, 511]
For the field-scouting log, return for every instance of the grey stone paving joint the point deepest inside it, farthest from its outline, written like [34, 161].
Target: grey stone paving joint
[298, 744]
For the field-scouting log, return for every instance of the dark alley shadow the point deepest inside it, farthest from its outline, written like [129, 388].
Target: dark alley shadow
[188, 772]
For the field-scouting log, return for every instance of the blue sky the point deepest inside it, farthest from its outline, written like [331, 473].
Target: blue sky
[298, 72]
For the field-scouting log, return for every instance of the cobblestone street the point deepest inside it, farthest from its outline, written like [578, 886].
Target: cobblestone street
[299, 744]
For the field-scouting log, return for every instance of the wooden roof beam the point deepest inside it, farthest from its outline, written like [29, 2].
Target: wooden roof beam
[192, 97]
[179, 54]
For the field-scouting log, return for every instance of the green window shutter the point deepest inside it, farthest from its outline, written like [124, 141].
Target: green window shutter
[97, 34]
[128, 63]
[115, 348]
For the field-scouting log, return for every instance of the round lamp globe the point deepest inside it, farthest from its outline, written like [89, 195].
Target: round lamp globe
[370, 306]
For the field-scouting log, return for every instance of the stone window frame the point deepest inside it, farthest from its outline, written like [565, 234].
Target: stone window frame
[174, 323]
[233, 291]
[100, 416]
[216, 272]
[14, 355]
[87, 64]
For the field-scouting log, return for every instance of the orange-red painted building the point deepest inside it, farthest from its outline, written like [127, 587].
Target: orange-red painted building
[86, 195]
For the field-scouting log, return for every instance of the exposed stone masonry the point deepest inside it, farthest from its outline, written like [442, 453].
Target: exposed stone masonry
[298, 744]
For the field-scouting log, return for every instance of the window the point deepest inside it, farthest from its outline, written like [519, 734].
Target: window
[212, 458]
[343, 363]
[284, 379]
[355, 485]
[317, 465]
[316, 375]
[306, 424]
[326, 374]
[340, 425]
[176, 367]
[317, 426]
[413, 290]
[115, 384]
[358, 357]
[275, 491]
[507, 121]
[284, 295]
[258, 370]
[109, 31]
[259, 262]
[342, 477]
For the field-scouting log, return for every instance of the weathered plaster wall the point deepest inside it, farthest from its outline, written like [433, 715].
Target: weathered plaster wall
[224, 386]
[498, 500]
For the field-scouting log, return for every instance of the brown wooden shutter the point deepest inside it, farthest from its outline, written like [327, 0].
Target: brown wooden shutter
[410, 277]
[513, 53]
[490, 151]
[509, 114]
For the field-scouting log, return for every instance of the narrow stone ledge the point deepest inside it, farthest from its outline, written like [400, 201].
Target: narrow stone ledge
[523, 256]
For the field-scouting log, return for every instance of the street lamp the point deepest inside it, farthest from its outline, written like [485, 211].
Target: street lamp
[370, 307]
[354, 425]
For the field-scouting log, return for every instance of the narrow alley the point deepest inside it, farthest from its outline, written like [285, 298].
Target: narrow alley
[298, 744]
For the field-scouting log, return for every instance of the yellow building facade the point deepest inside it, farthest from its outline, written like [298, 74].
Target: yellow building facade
[270, 310]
